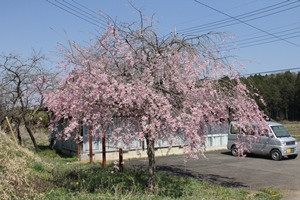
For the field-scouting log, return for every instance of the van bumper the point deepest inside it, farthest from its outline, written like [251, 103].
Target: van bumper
[290, 150]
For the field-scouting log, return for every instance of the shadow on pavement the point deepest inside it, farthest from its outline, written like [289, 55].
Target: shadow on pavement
[212, 178]
[251, 155]
[228, 153]
[248, 155]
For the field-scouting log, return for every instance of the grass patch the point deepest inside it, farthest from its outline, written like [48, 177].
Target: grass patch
[37, 166]
[94, 179]
[92, 182]
[53, 175]
[56, 157]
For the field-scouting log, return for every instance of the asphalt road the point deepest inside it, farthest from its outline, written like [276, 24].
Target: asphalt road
[221, 168]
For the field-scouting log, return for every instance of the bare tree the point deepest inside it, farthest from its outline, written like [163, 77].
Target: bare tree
[23, 82]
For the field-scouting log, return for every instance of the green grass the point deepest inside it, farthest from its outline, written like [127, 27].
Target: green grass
[72, 180]
[37, 166]
[52, 175]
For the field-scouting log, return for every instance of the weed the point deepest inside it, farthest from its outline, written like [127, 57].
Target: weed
[37, 166]
[269, 193]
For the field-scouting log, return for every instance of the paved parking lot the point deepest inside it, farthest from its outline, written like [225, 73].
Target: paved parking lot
[221, 168]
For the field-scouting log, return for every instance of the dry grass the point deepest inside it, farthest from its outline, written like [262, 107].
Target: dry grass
[15, 171]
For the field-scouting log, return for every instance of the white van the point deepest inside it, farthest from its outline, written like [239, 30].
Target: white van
[277, 143]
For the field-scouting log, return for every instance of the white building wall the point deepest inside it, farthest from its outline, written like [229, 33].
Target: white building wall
[216, 139]
[213, 142]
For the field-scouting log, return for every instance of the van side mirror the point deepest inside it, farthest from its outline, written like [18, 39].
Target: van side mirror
[271, 135]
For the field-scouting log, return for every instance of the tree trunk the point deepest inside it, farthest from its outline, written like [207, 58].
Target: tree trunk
[103, 146]
[104, 150]
[151, 158]
[28, 128]
[19, 132]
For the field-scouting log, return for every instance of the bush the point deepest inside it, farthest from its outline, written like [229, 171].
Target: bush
[41, 120]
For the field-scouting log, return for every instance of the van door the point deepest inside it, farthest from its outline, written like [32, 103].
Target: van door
[263, 145]
[255, 144]
[236, 137]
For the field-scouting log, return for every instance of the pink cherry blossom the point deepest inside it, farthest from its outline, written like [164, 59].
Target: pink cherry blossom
[143, 87]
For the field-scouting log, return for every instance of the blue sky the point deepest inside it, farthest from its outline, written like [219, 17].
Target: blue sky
[37, 24]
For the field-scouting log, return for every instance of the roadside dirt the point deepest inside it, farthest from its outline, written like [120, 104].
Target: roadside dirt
[292, 195]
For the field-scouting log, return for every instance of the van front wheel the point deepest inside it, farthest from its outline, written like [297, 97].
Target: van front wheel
[276, 154]
[234, 151]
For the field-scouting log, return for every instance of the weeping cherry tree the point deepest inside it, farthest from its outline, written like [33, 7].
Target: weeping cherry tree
[168, 88]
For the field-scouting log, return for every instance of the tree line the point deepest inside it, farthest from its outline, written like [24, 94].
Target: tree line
[280, 94]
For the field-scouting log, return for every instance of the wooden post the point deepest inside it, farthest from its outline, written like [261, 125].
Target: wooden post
[11, 130]
[121, 164]
[143, 145]
[91, 143]
[104, 150]
[78, 150]
[80, 142]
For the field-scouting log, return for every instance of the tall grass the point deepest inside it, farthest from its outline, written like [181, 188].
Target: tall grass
[15, 171]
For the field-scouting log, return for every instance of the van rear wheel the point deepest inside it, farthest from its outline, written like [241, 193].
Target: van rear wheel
[234, 151]
[276, 154]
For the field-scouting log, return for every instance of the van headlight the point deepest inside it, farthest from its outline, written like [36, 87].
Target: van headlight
[283, 143]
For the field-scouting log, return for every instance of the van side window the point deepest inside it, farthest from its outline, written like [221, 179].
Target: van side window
[234, 130]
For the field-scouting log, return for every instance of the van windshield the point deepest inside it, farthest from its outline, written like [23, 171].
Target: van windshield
[280, 131]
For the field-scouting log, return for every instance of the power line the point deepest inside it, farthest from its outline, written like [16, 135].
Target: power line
[94, 17]
[242, 16]
[88, 9]
[231, 22]
[246, 23]
[263, 38]
[274, 28]
[71, 13]
[267, 42]
[243, 4]
[75, 14]
[257, 42]
[234, 23]
[80, 13]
